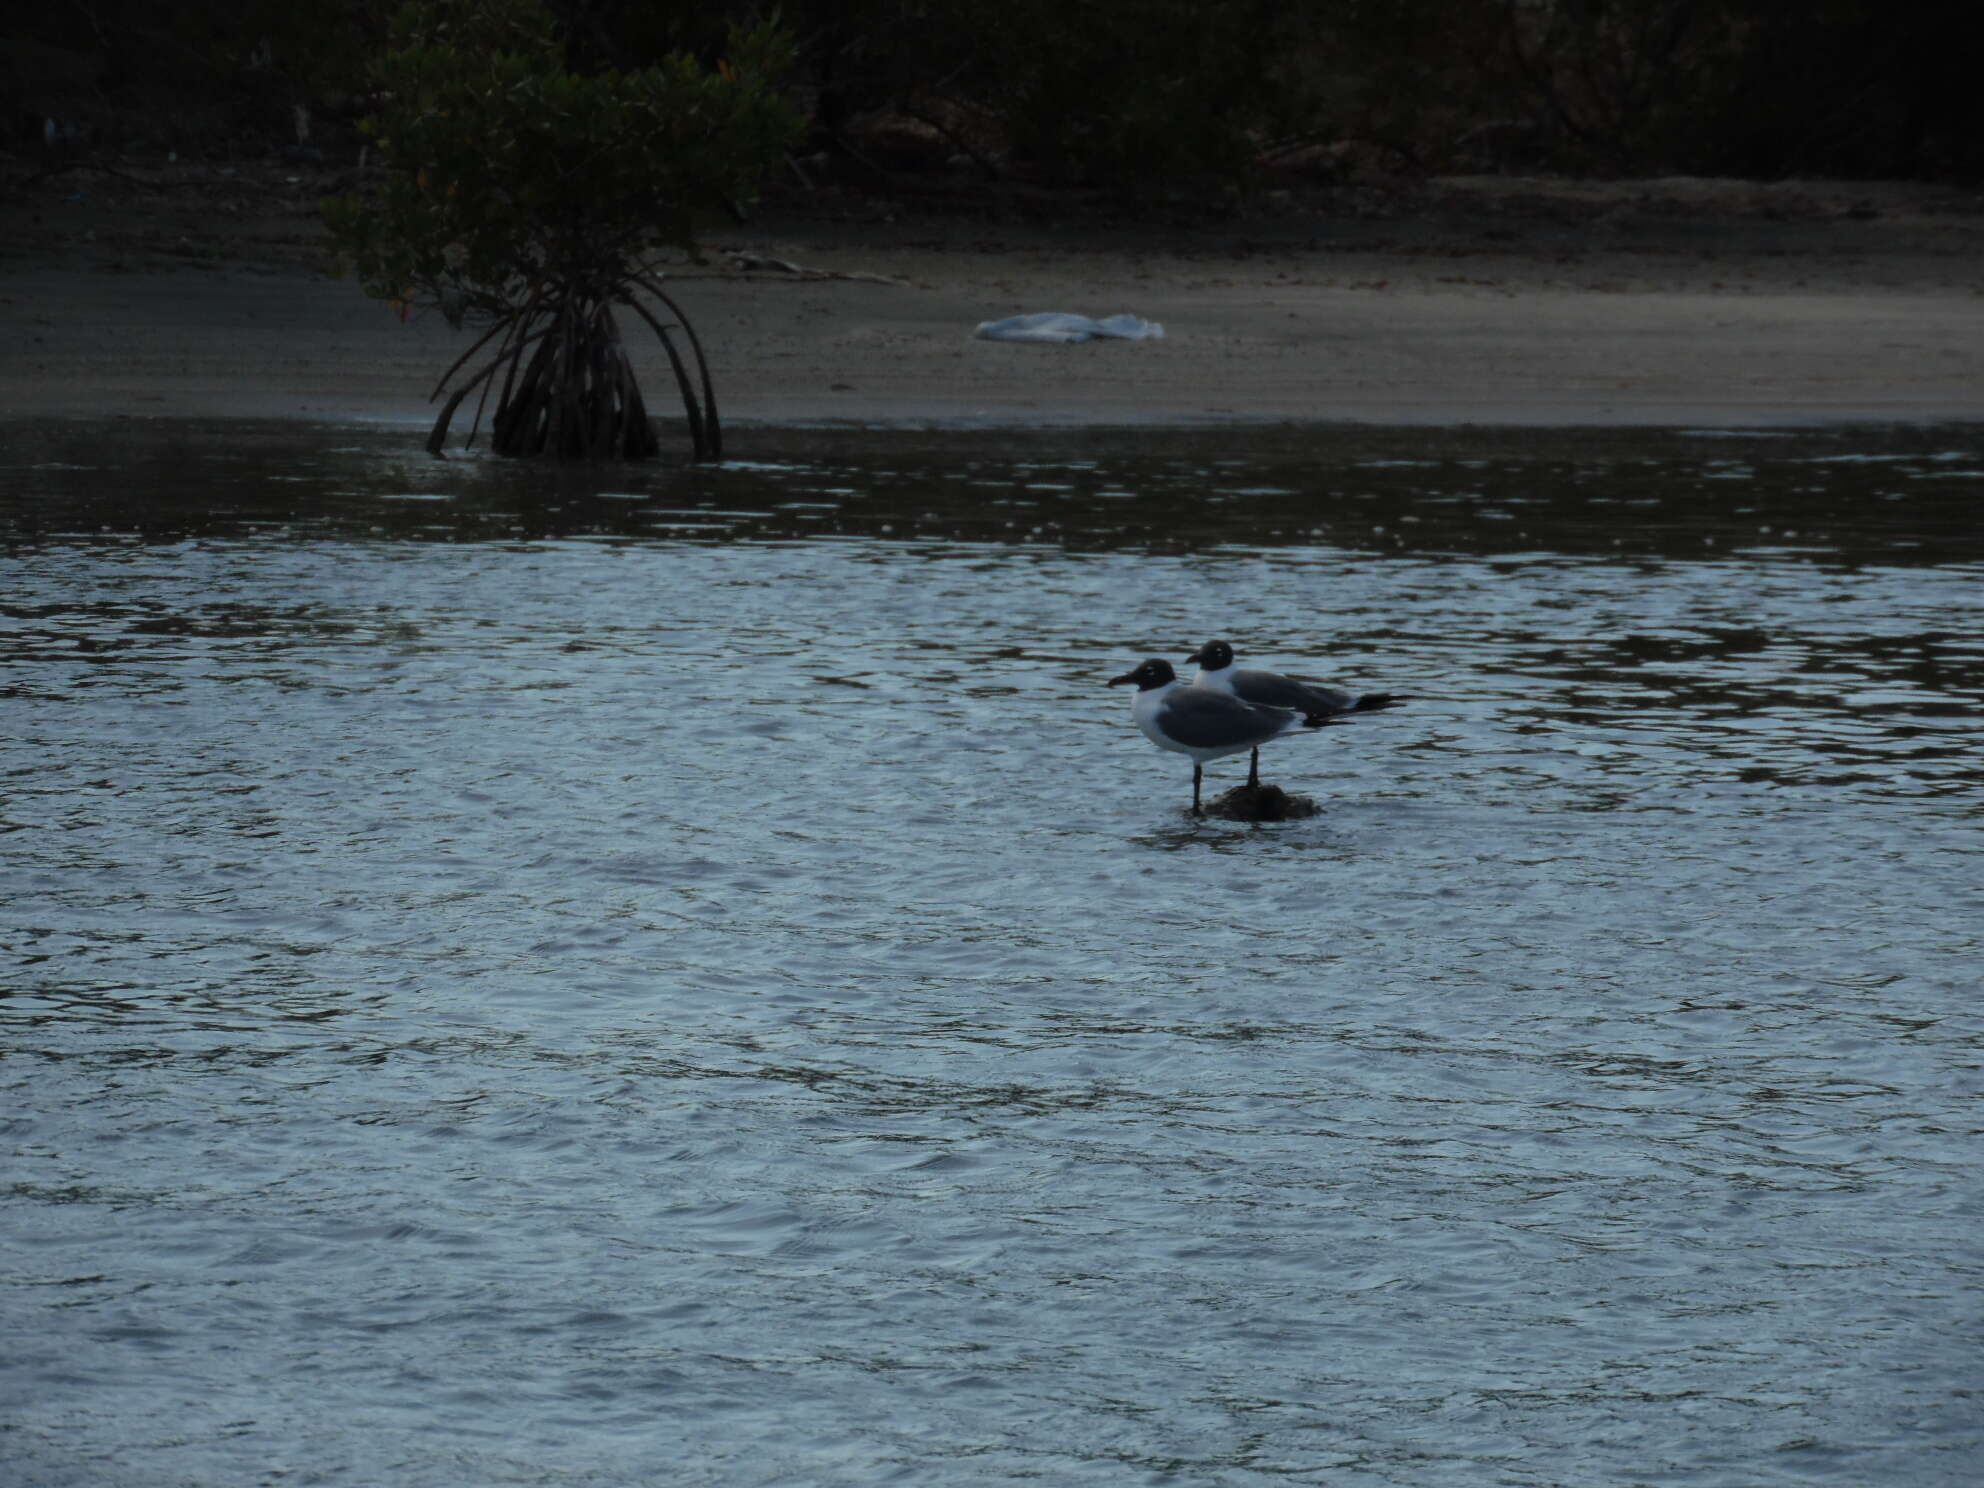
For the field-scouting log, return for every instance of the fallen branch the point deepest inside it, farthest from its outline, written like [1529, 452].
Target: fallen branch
[746, 262]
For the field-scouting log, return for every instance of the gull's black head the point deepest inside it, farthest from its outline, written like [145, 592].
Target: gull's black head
[1153, 673]
[1212, 656]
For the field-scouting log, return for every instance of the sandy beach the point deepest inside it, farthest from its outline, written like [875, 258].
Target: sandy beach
[1498, 301]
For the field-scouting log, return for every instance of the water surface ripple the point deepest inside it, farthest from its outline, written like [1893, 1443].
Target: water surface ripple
[688, 976]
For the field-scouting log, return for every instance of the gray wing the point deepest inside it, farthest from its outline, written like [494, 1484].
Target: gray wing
[1200, 718]
[1272, 690]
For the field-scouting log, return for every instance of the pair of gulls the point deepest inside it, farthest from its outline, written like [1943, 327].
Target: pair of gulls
[1225, 709]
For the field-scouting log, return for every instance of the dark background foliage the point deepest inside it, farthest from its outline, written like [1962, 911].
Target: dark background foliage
[1148, 97]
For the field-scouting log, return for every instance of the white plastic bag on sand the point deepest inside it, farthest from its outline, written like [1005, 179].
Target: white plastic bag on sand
[1057, 326]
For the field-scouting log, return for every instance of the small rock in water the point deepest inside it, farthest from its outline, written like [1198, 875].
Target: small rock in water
[1260, 803]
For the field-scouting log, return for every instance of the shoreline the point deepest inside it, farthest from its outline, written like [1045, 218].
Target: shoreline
[1643, 308]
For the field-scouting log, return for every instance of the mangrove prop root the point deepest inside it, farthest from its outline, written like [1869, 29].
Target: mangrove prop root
[713, 428]
[564, 384]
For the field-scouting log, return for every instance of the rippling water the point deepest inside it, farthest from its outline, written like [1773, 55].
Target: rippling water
[698, 982]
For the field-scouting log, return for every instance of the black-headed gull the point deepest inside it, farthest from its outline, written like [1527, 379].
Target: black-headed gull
[1272, 690]
[1203, 722]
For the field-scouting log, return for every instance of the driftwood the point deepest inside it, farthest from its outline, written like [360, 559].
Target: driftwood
[746, 262]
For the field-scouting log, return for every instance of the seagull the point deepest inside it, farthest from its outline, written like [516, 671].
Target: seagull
[1272, 690]
[1203, 722]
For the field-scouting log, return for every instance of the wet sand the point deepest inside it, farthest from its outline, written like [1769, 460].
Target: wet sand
[1494, 302]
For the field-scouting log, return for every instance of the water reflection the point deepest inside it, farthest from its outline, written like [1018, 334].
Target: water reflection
[1843, 498]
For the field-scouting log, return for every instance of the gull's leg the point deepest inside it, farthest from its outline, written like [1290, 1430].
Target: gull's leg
[1198, 773]
[1254, 769]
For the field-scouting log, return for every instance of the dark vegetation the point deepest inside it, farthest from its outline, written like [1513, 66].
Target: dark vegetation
[528, 161]
[1133, 94]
